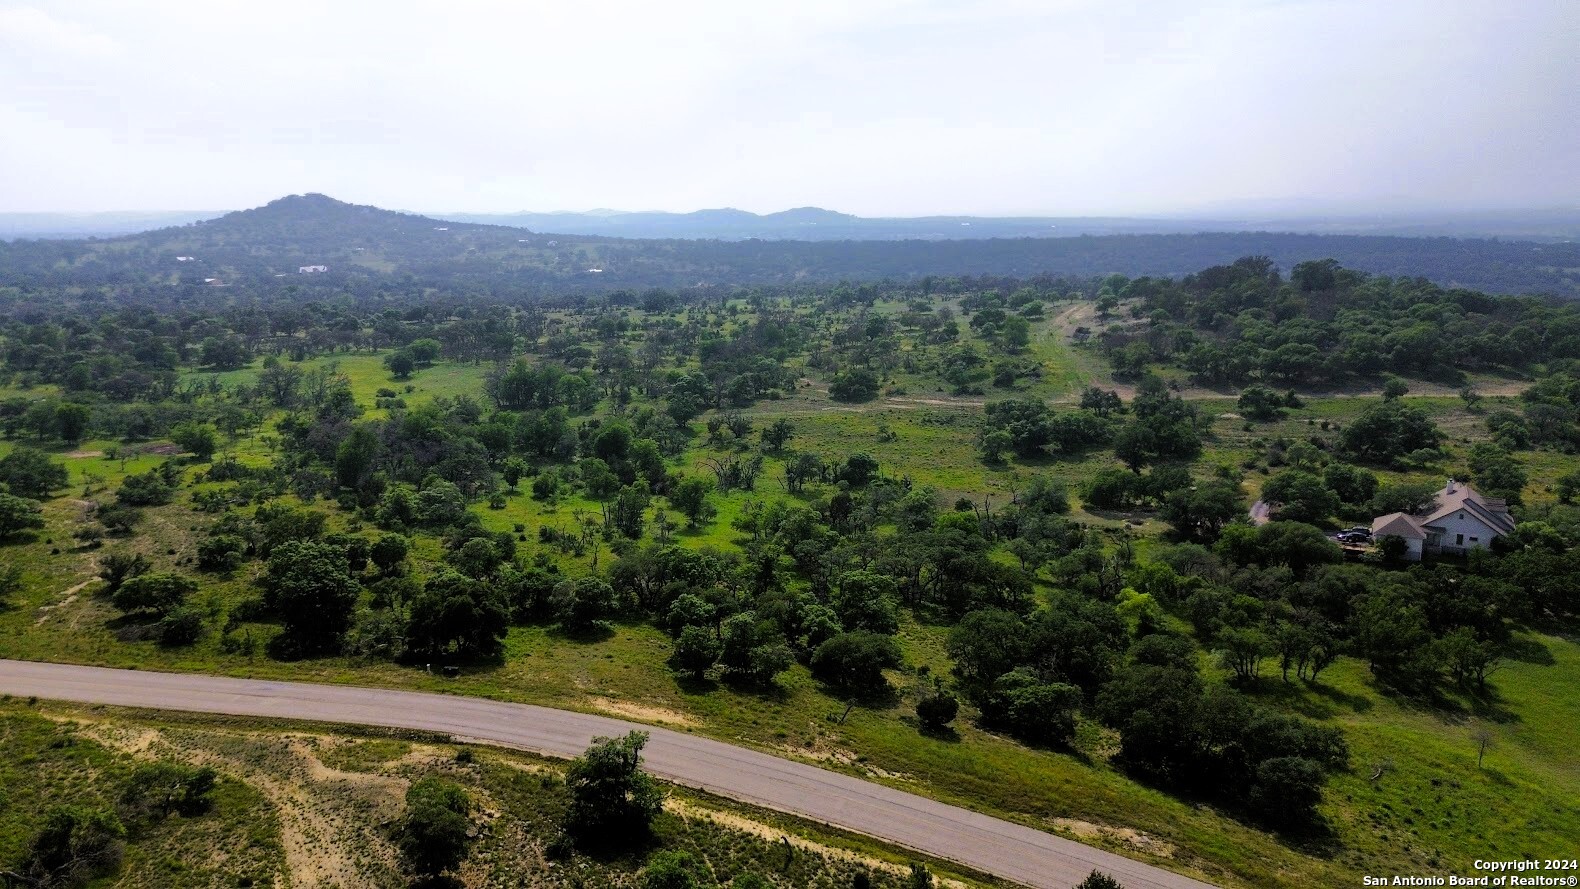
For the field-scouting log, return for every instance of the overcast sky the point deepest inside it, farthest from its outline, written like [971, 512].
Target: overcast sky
[876, 107]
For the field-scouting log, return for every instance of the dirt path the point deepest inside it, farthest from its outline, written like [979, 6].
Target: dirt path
[69, 595]
[325, 831]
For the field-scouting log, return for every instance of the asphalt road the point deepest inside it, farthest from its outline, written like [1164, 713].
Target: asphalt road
[987, 844]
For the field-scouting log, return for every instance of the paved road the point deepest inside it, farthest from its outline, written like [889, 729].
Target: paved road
[988, 844]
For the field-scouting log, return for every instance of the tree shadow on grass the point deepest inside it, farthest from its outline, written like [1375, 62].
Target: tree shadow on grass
[1416, 699]
[767, 691]
[1488, 703]
[945, 733]
[1317, 837]
[870, 698]
[692, 684]
[1290, 696]
[133, 627]
[455, 668]
[1356, 703]
[1528, 650]
[599, 632]
[1451, 704]
[1064, 748]
[629, 849]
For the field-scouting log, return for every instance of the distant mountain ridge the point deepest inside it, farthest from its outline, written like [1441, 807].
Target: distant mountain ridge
[314, 241]
[818, 224]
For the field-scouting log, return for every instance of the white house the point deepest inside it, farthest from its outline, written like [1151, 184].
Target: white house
[1458, 521]
[311, 269]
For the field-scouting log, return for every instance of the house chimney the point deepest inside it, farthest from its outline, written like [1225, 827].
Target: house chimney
[1449, 489]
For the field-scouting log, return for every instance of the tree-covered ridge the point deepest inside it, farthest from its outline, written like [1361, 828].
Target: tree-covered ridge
[368, 247]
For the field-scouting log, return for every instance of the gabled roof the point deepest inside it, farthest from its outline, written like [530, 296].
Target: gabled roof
[1458, 497]
[1398, 524]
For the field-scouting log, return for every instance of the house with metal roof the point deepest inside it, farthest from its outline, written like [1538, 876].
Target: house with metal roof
[1459, 520]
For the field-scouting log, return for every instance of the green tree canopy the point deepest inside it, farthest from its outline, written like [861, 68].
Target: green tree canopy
[613, 802]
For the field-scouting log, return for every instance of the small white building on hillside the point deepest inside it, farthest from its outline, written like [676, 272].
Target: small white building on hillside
[312, 269]
[1459, 521]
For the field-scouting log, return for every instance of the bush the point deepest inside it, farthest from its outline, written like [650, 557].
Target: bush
[182, 626]
[30, 473]
[198, 439]
[1036, 711]
[163, 788]
[584, 605]
[857, 384]
[936, 710]
[376, 634]
[18, 514]
[146, 489]
[432, 836]
[158, 592]
[115, 568]
[671, 870]
[222, 553]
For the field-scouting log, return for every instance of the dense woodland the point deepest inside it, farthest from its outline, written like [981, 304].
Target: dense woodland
[356, 529]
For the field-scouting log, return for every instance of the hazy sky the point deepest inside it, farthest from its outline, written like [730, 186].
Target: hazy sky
[877, 107]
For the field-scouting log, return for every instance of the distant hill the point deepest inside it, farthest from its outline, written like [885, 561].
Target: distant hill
[363, 247]
[816, 224]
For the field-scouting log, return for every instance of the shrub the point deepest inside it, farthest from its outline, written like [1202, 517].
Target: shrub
[115, 568]
[856, 384]
[936, 710]
[30, 473]
[163, 788]
[671, 870]
[18, 514]
[145, 489]
[182, 626]
[432, 836]
[159, 592]
[222, 553]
